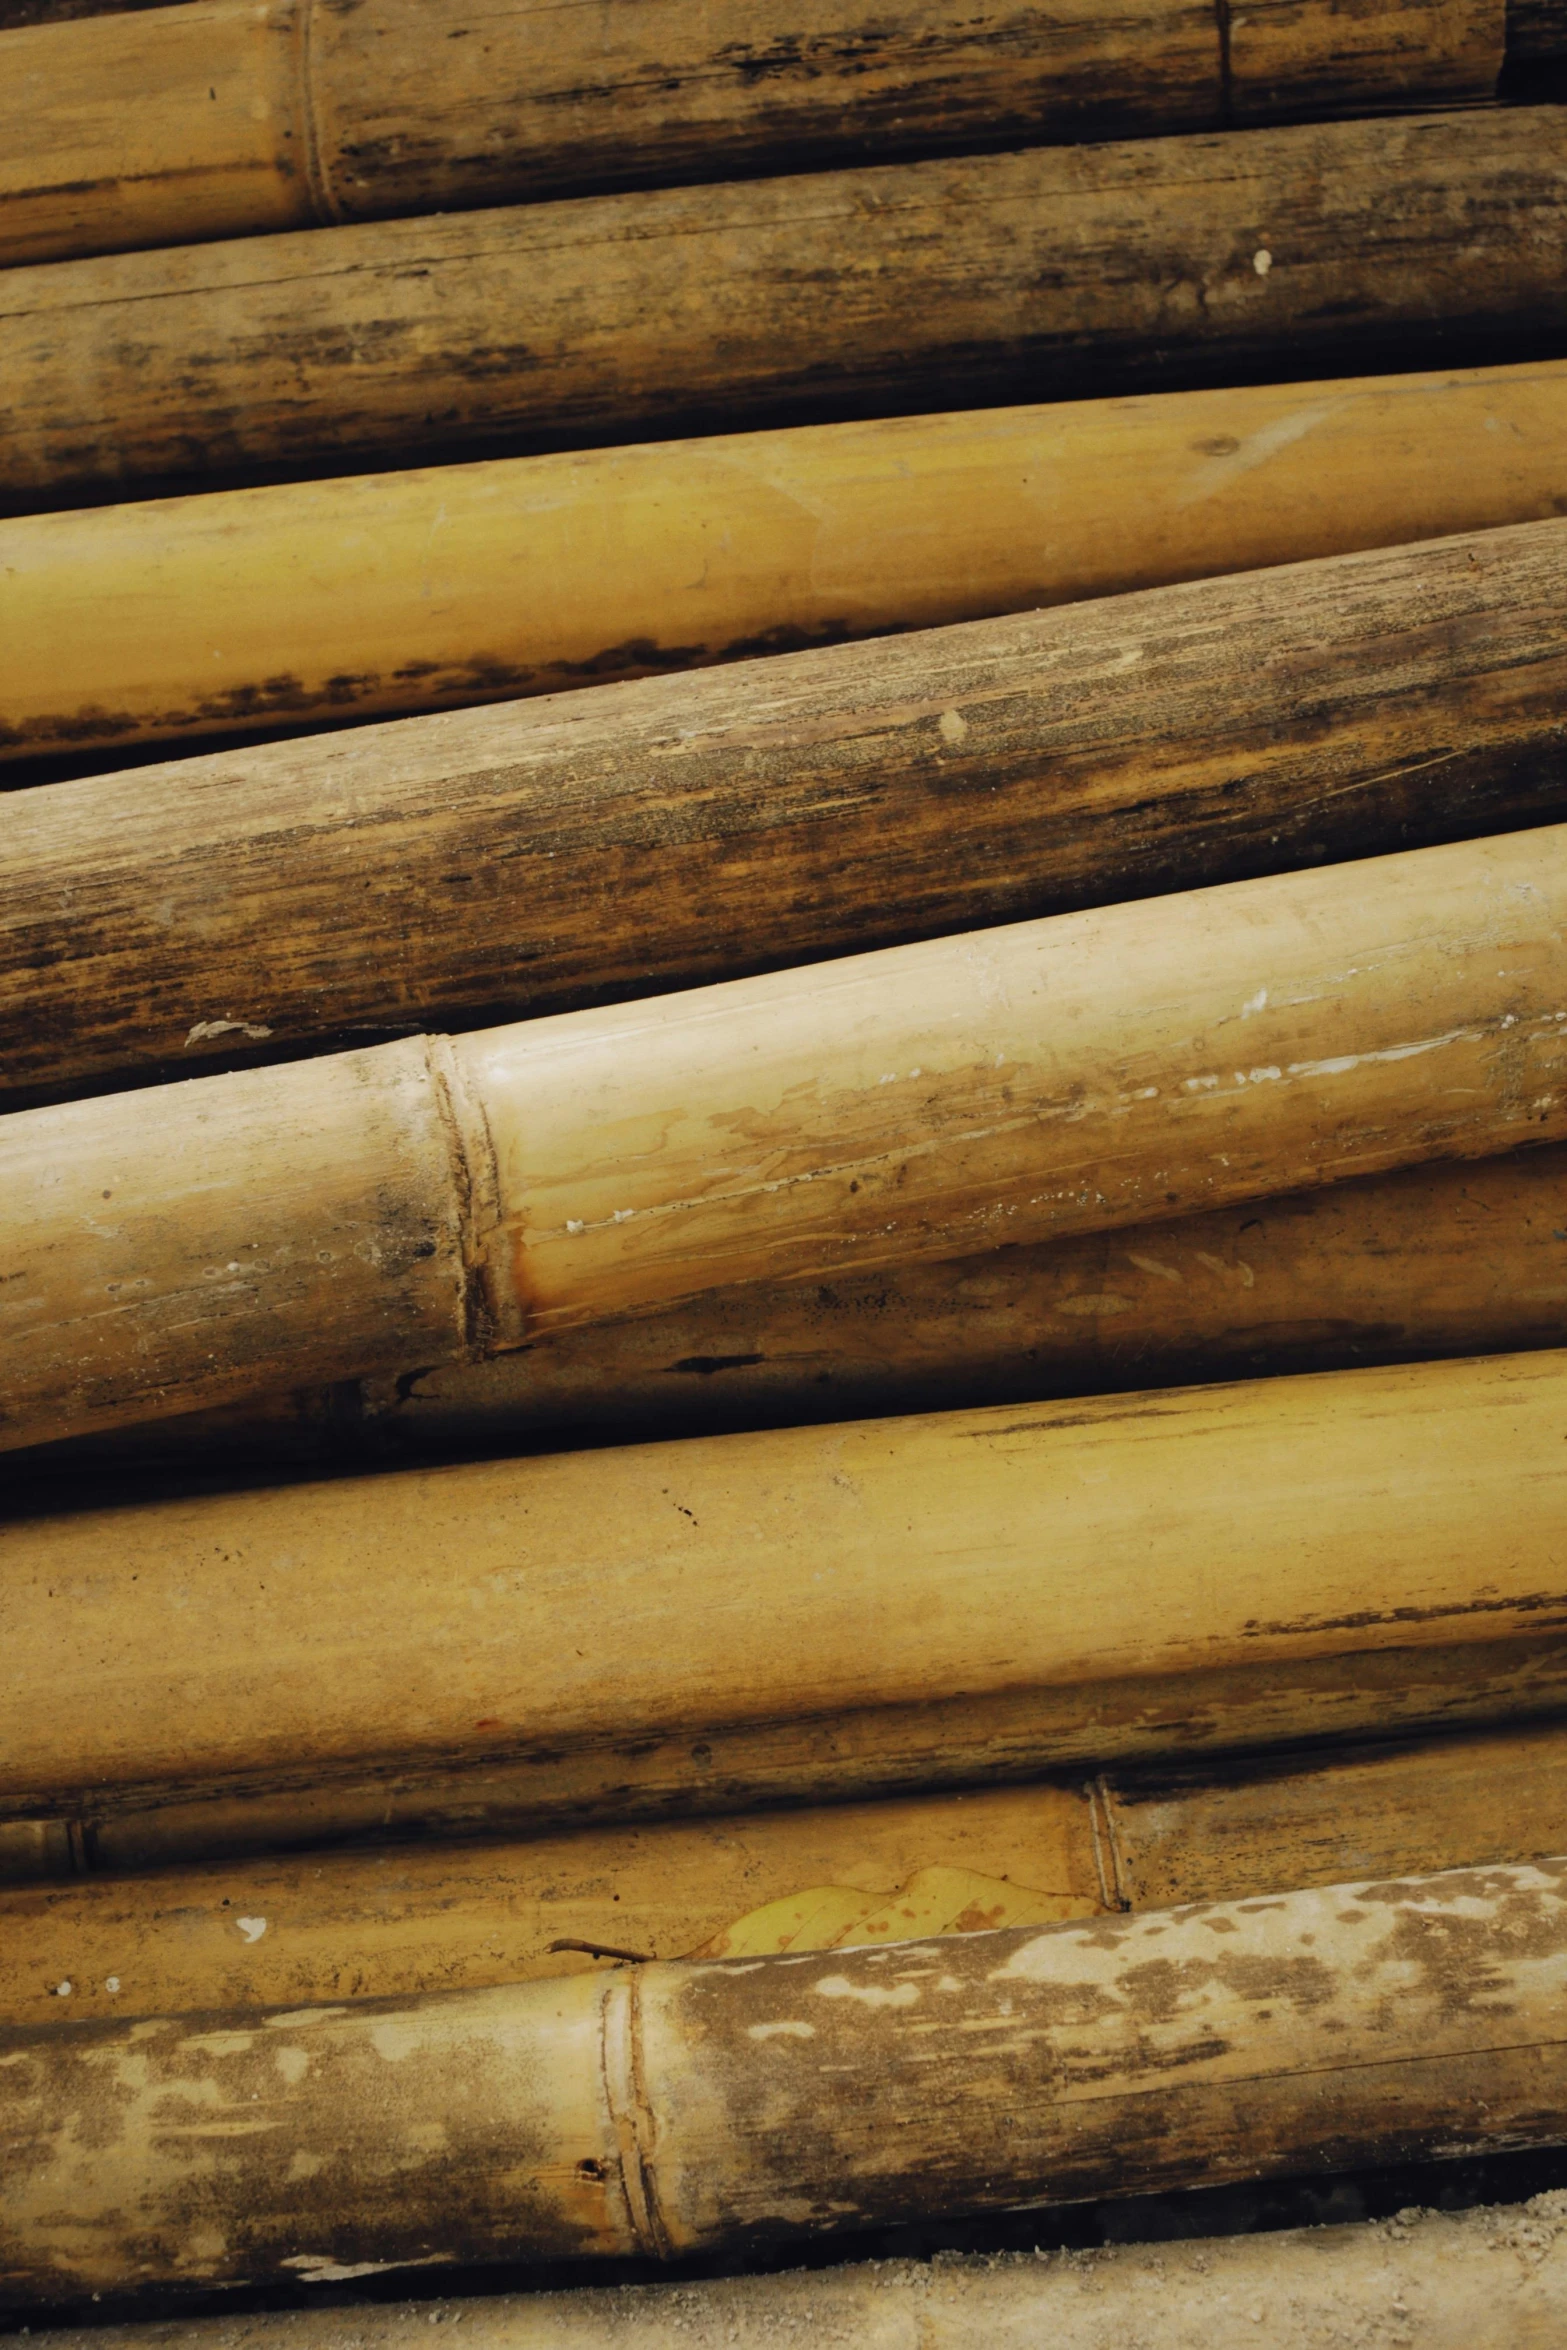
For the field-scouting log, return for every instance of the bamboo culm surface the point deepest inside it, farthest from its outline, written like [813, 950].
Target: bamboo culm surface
[228, 118]
[399, 1923]
[662, 832]
[1487, 2279]
[665, 2108]
[308, 603]
[1451, 1258]
[1046, 274]
[416, 1202]
[872, 1606]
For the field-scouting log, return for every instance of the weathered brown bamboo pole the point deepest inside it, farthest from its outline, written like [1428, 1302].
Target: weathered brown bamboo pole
[545, 855]
[1488, 2279]
[29, 12]
[233, 117]
[877, 1605]
[307, 603]
[664, 2108]
[1536, 32]
[1445, 1259]
[419, 1201]
[1049, 273]
[250, 1932]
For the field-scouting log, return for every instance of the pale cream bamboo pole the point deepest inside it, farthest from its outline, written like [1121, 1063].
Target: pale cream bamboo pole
[538, 857]
[665, 2108]
[1052, 272]
[1450, 1258]
[879, 1604]
[1002, 1086]
[230, 117]
[399, 1923]
[379, 594]
[1487, 2279]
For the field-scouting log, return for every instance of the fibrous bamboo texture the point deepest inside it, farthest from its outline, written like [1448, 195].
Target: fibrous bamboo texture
[1445, 1259]
[553, 854]
[397, 1924]
[661, 2109]
[1050, 273]
[1492, 2279]
[232, 117]
[418, 1201]
[372, 595]
[882, 1604]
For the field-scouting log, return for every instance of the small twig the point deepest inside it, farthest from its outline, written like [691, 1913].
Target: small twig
[603, 1950]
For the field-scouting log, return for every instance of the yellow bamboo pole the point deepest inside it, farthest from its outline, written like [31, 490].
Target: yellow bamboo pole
[255, 1932]
[230, 117]
[661, 2109]
[374, 595]
[390, 1924]
[1445, 1259]
[1046, 273]
[418, 1201]
[1488, 2279]
[882, 1604]
[546, 855]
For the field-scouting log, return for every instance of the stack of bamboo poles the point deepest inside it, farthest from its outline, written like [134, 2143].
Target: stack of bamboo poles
[783, 1198]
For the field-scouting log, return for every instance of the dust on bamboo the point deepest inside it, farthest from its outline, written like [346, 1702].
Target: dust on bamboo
[420, 1201]
[175, 618]
[1053, 272]
[596, 844]
[228, 118]
[661, 2109]
[949, 1598]
[401, 1922]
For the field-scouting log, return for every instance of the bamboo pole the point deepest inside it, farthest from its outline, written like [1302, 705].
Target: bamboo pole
[543, 856]
[244, 116]
[1050, 273]
[418, 1201]
[1536, 32]
[28, 12]
[306, 603]
[1489, 2279]
[251, 1932]
[399, 1923]
[1445, 1259]
[664, 2108]
[882, 1605]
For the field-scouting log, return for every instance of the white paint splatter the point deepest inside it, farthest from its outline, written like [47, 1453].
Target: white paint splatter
[1344, 1062]
[868, 1994]
[206, 1029]
[781, 2031]
[251, 1928]
[319, 2268]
